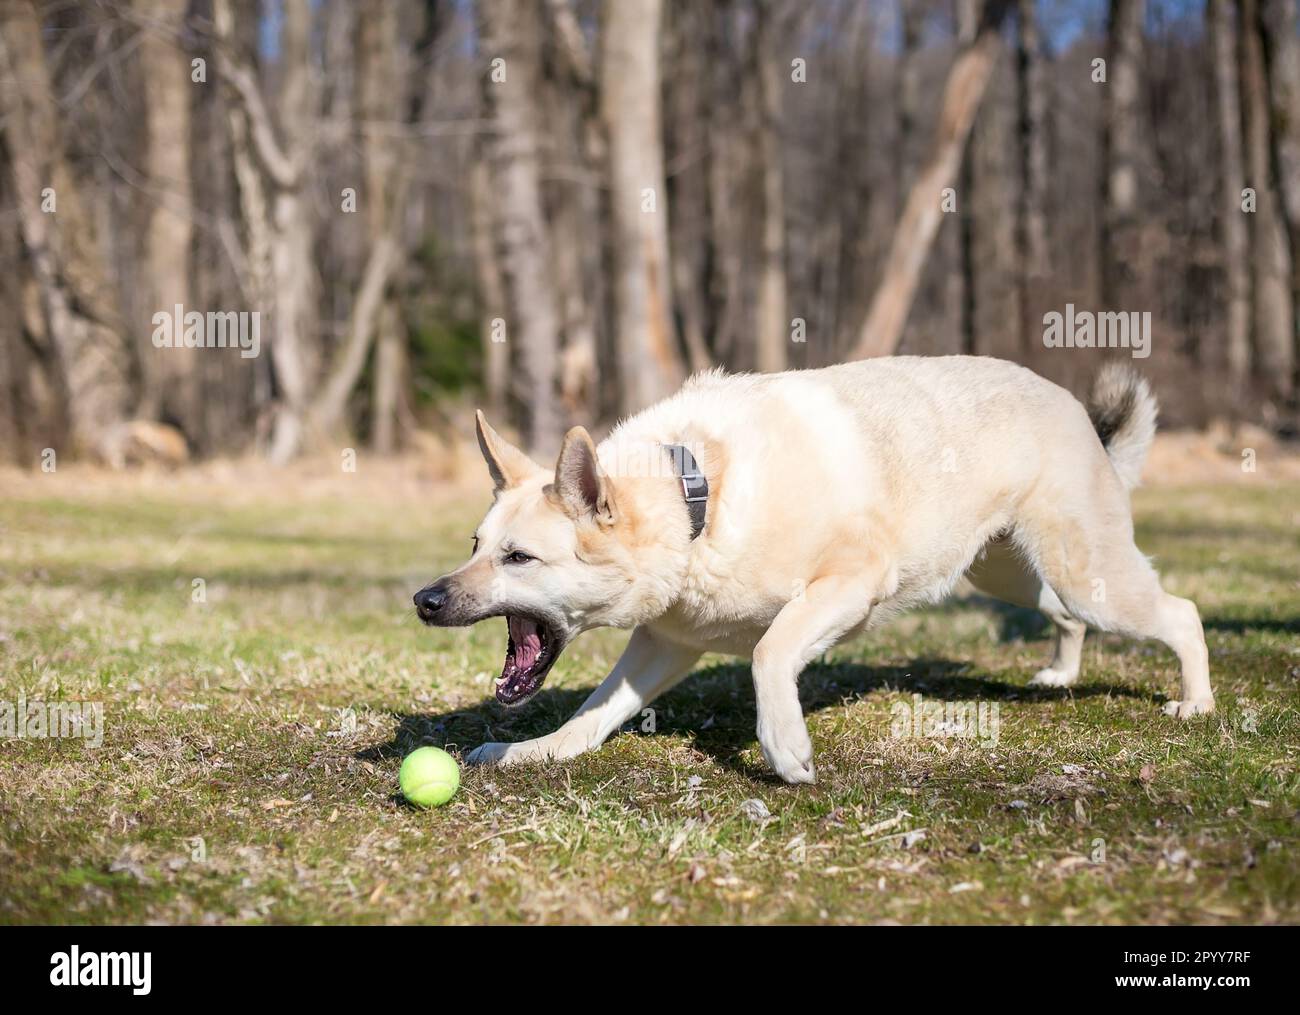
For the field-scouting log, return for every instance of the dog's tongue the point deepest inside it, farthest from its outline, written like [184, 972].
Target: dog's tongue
[527, 638]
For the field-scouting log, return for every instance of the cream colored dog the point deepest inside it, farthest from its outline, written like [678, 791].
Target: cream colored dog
[836, 498]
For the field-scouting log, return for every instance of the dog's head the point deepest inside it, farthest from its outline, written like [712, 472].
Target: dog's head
[554, 555]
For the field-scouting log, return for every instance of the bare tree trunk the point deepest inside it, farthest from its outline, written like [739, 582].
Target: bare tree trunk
[724, 146]
[906, 153]
[391, 370]
[172, 387]
[392, 417]
[294, 346]
[1273, 313]
[491, 291]
[1278, 20]
[773, 317]
[29, 412]
[966, 14]
[39, 405]
[967, 190]
[1232, 225]
[382, 77]
[511, 32]
[1033, 252]
[379, 100]
[724, 155]
[232, 266]
[687, 71]
[1120, 231]
[989, 205]
[650, 366]
[279, 225]
[395, 85]
[254, 212]
[78, 306]
[916, 229]
[577, 134]
[11, 391]
[574, 221]
[329, 409]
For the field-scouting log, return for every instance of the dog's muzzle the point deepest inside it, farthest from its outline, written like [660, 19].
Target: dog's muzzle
[533, 641]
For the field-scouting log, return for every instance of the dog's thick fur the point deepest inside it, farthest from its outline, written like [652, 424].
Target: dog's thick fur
[838, 497]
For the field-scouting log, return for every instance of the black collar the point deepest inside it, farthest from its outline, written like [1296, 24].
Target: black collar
[695, 488]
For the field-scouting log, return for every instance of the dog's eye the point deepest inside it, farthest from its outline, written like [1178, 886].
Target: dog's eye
[474, 548]
[518, 557]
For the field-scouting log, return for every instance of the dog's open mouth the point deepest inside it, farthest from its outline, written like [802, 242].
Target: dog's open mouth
[530, 651]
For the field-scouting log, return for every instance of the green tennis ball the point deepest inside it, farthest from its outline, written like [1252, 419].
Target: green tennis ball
[429, 777]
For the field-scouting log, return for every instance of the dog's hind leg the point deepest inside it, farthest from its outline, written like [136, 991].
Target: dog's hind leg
[1063, 670]
[1003, 574]
[1087, 555]
[648, 667]
[805, 628]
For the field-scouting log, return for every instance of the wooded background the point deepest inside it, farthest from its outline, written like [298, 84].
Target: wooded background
[556, 209]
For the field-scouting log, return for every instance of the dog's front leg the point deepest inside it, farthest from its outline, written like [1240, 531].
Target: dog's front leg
[648, 666]
[805, 628]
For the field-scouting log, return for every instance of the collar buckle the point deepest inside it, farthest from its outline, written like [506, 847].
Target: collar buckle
[695, 487]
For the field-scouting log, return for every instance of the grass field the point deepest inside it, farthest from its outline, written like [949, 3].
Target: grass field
[251, 741]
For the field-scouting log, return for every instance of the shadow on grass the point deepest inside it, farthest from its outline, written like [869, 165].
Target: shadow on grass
[715, 708]
[1236, 625]
[1015, 622]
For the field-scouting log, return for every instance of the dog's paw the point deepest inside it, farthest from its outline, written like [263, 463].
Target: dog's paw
[1048, 677]
[556, 747]
[1187, 709]
[489, 754]
[790, 756]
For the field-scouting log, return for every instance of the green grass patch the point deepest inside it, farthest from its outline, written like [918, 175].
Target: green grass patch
[252, 736]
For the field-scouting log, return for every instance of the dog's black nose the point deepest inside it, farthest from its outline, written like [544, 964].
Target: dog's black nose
[428, 601]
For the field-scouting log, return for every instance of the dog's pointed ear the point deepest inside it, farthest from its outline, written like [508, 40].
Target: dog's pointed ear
[582, 488]
[508, 465]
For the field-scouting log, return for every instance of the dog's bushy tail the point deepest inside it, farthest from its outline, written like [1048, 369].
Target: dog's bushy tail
[1123, 412]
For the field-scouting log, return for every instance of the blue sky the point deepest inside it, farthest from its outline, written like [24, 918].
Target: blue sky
[1062, 21]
